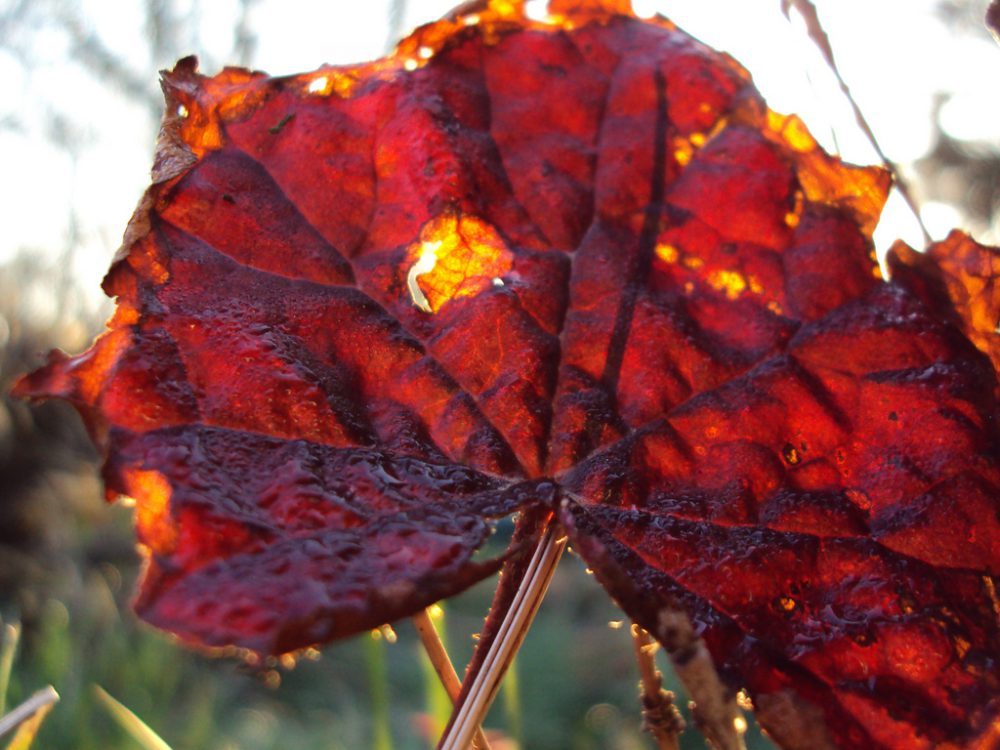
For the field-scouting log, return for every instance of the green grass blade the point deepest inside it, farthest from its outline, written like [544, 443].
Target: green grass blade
[511, 690]
[378, 690]
[132, 724]
[27, 718]
[8, 648]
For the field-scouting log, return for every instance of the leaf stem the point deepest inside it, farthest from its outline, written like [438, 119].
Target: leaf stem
[431, 640]
[660, 715]
[469, 714]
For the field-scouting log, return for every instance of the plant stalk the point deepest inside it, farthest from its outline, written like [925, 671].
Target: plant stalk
[660, 715]
[431, 640]
[469, 714]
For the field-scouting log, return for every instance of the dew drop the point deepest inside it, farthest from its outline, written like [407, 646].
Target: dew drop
[860, 499]
[791, 454]
[864, 639]
[388, 633]
[271, 679]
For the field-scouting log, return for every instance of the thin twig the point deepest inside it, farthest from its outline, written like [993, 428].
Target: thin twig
[44, 697]
[436, 652]
[819, 37]
[397, 17]
[660, 715]
[469, 714]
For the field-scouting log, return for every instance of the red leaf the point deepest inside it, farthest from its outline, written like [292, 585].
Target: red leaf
[575, 267]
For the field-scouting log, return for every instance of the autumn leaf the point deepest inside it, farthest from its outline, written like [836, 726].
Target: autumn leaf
[572, 267]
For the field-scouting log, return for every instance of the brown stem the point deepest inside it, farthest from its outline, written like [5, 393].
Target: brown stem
[715, 711]
[660, 716]
[436, 652]
[469, 714]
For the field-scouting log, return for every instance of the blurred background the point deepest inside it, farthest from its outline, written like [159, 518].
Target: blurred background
[79, 110]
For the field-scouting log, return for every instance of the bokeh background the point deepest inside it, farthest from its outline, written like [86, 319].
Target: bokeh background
[79, 109]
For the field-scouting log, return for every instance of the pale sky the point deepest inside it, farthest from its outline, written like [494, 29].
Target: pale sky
[895, 54]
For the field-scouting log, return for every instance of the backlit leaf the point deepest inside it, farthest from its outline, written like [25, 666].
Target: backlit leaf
[573, 266]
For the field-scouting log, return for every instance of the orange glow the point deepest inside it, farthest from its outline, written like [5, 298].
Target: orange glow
[730, 282]
[667, 253]
[826, 179]
[792, 130]
[457, 256]
[93, 367]
[151, 493]
[333, 81]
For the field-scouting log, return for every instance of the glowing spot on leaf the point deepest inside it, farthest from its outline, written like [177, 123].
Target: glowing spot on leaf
[693, 263]
[182, 111]
[683, 151]
[792, 129]
[410, 64]
[730, 282]
[425, 52]
[457, 256]
[740, 725]
[151, 492]
[320, 85]
[755, 285]
[615, 624]
[786, 603]
[339, 82]
[537, 10]
[644, 8]
[471, 20]
[667, 253]
[435, 612]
